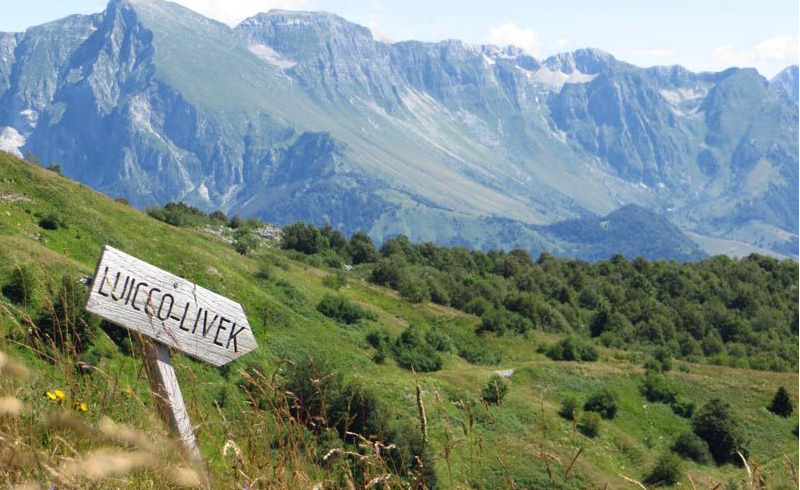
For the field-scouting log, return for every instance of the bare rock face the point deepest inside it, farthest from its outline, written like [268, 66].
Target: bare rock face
[304, 115]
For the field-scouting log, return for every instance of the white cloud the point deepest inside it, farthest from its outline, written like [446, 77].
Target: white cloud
[769, 56]
[232, 12]
[511, 33]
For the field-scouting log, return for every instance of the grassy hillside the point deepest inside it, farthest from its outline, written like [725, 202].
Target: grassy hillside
[254, 421]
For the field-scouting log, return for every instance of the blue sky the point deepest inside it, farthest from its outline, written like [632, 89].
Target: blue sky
[699, 34]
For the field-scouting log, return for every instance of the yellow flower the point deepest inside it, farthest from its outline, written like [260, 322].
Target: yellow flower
[56, 395]
[82, 406]
[128, 391]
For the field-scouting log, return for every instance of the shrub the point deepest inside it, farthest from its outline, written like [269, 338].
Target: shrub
[781, 403]
[236, 222]
[178, 214]
[412, 352]
[477, 306]
[572, 349]
[716, 424]
[51, 221]
[682, 407]
[388, 271]
[689, 445]
[245, 241]
[495, 390]
[667, 470]
[361, 249]
[657, 388]
[381, 341]
[342, 310]
[603, 402]
[304, 238]
[336, 280]
[438, 340]
[570, 406]
[589, 424]
[479, 353]
[414, 290]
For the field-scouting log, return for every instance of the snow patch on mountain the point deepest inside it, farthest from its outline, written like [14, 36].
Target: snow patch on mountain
[11, 141]
[556, 79]
[271, 56]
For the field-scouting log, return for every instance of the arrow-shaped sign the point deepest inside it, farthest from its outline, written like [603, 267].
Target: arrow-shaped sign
[168, 309]
[173, 312]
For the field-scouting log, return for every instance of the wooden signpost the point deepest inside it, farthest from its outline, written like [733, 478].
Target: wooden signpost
[170, 312]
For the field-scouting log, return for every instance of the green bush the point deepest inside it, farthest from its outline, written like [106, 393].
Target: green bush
[682, 407]
[361, 249]
[690, 446]
[178, 214]
[570, 407]
[657, 388]
[589, 424]
[412, 352]
[667, 470]
[245, 241]
[335, 280]
[572, 349]
[414, 290]
[478, 353]
[304, 238]
[781, 403]
[438, 340]
[603, 402]
[495, 390]
[717, 424]
[342, 310]
[51, 221]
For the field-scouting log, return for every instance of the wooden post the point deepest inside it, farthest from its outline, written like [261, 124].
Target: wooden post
[166, 311]
[167, 392]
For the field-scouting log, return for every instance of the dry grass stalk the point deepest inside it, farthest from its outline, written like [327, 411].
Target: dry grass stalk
[11, 406]
[635, 482]
[10, 367]
[104, 463]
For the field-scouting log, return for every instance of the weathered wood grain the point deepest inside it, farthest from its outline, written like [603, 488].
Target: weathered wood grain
[167, 392]
[170, 310]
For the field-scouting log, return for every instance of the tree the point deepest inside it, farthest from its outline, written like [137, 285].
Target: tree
[781, 403]
[361, 249]
[495, 390]
[303, 238]
[717, 424]
[236, 222]
[603, 402]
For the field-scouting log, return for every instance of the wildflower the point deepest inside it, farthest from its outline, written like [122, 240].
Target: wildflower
[82, 406]
[128, 391]
[56, 395]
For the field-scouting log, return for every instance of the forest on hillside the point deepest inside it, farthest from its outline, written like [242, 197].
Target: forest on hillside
[734, 312]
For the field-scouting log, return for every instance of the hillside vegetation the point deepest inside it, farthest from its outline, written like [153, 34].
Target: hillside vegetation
[356, 385]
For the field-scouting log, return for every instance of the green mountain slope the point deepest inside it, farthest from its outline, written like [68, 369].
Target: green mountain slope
[52, 228]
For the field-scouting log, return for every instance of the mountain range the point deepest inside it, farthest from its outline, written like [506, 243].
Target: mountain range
[305, 116]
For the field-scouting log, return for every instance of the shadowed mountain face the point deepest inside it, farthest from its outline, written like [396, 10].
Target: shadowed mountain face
[299, 115]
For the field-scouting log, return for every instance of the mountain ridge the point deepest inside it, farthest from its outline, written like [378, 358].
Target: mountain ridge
[225, 118]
